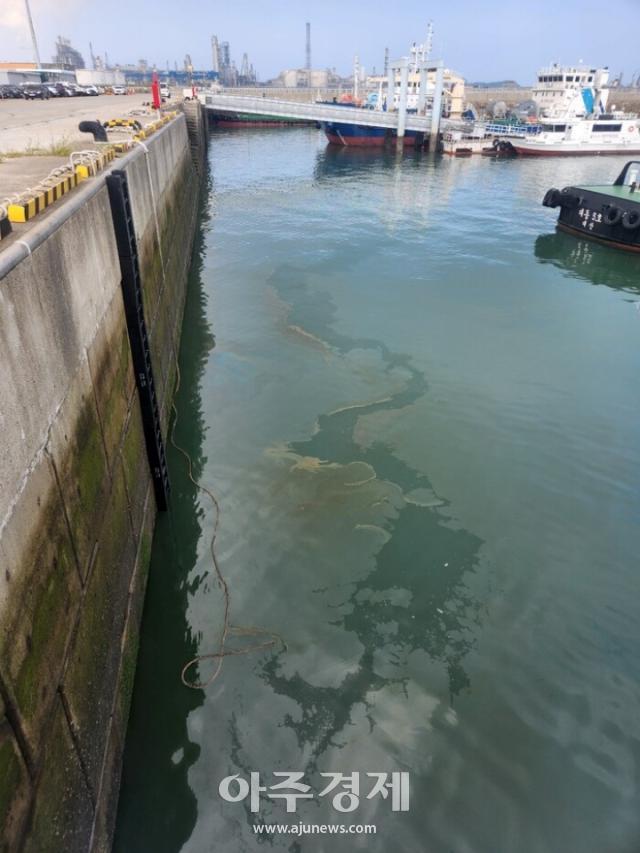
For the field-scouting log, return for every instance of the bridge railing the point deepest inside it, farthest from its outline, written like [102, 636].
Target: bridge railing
[311, 112]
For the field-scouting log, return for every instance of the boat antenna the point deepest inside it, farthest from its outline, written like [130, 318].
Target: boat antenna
[428, 45]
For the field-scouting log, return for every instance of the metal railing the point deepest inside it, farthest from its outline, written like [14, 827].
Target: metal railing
[296, 110]
[512, 129]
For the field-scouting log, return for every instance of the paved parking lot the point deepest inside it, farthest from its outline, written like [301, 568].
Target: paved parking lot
[39, 136]
[26, 125]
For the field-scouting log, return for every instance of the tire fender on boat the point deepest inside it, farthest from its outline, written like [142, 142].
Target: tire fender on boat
[613, 215]
[567, 199]
[551, 198]
[631, 219]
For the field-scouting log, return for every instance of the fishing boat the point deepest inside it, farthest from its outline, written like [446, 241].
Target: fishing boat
[220, 118]
[609, 214]
[412, 94]
[604, 134]
[573, 118]
[347, 133]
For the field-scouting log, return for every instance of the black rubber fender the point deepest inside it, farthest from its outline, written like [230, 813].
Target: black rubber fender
[94, 127]
[568, 199]
[613, 215]
[631, 219]
[551, 198]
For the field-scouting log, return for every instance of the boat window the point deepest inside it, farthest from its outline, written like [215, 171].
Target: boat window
[558, 128]
[590, 79]
[606, 128]
[569, 78]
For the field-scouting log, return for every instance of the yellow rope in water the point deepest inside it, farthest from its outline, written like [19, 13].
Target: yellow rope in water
[227, 627]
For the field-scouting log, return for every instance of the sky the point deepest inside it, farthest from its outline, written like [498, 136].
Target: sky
[483, 40]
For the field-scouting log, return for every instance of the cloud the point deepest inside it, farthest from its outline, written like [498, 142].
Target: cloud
[14, 31]
[15, 40]
[12, 15]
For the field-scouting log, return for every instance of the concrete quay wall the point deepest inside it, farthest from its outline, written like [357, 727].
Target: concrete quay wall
[77, 507]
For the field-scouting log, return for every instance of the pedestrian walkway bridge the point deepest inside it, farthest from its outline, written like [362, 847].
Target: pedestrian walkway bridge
[317, 112]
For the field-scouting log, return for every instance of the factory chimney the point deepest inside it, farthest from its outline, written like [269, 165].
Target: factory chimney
[215, 54]
[308, 54]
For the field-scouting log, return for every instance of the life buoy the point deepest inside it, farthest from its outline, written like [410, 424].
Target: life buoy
[631, 220]
[613, 215]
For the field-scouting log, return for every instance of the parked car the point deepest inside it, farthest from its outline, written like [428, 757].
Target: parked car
[11, 92]
[119, 90]
[164, 92]
[52, 89]
[65, 91]
[34, 91]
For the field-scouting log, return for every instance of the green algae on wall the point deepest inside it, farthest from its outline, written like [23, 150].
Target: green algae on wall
[76, 538]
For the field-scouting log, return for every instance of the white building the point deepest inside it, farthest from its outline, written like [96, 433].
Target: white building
[15, 78]
[89, 77]
[301, 78]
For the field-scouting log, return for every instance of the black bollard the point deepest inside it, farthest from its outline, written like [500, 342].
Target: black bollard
[94, 127]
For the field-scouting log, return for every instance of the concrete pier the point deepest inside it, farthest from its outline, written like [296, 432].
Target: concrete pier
[76, 506]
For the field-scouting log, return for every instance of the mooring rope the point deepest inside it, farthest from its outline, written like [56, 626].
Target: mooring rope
[227, 627]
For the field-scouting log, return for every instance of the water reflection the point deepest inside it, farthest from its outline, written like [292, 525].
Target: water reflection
[590, 261]
[336, 162]
[416, 183]
[415, 596]
[158, 751]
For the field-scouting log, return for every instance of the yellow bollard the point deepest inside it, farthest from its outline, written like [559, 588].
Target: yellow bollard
[22, 211]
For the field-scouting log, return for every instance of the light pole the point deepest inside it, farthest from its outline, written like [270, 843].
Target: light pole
[36, 52]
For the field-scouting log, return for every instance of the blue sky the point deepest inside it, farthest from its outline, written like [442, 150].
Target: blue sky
[487, 40]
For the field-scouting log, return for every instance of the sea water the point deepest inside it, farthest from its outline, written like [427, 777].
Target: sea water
[418, 407]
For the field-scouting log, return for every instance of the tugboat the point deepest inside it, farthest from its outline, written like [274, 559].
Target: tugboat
[609, 214]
